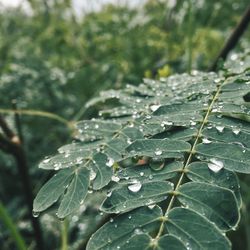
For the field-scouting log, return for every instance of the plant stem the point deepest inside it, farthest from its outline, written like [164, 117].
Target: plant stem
[38, 113]
[5, 217]
[233, 39]
[64, 235]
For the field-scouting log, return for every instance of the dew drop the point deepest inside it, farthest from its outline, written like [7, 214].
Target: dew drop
[220, 128]
[110, 162]
[35, 214]
[158, 152]
[150, 177]
[135, 187]
[192, 123]
[109, 193]
[215, 165]
[236, 131]
[138, 231]
[111, 220]
[92, 175]
[129, 217]
[115, 178]
[151, 206]
[47, 160]
[141, 173]
[154, 107]
[206, 141]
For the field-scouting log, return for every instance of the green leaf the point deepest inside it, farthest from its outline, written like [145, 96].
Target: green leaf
[159, 148]
[195, 231]
[96, 129]
[232, 135]
[144, 241]
[232, 156]
[117, 231]
[199, 172]
[136, 194]
[52, 190]
[145, 173]
[75, 194]
[102, 170]
[218, 204]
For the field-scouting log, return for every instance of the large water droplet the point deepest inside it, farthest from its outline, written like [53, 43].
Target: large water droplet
[206, 141]
[47, 160]
[154, 107]
[110, 162]
[220, 128]
[115, 178]
[158, 152]
[215, 165]
[156, 163]
[35, 214]
[135, 187]
[236, 131]
[92, 175]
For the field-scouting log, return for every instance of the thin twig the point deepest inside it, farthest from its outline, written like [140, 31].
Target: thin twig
[233, 39]
[12, 145]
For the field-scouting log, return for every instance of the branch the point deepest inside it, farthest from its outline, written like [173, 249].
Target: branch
[233, 39]
[11, 144]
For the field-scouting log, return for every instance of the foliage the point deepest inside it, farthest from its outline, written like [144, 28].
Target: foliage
[166, 157]
[52, 60]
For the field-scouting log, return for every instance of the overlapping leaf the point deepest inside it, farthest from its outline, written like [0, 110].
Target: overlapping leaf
[177, 143]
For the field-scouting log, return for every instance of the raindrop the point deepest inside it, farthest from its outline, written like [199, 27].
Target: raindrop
[156, 163]
[151, 206]
[158, 152]
[129, 217]
[220, 128]
[141, 173]
[206, 141]
[135, 187]
[47, 160]
[109, 193]
[236, 131]
[215, 165]
[110, 162]
[92, 175]
[154, 107]
[111, 220]
[129, 141]
[96, 126]
[138, 231]
[150, 177]
[115, 178]
[35, 214]
[192, 123]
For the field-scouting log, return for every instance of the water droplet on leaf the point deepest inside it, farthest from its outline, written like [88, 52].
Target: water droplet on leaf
[135, 187]
[158, 152]
[206, 141]
[215, 165]
[35, 214]
[115, 178]
[220, 128]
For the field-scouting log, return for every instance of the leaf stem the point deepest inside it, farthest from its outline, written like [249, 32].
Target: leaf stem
[5, 217]
[40, 113]
[64, 235]
[192, 152]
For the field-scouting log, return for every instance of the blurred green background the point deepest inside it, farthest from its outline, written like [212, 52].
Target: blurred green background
[55, 56]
